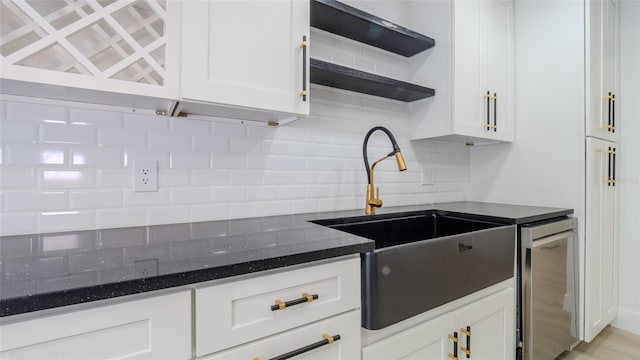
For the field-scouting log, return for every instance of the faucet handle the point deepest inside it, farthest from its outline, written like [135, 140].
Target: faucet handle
[376, 201]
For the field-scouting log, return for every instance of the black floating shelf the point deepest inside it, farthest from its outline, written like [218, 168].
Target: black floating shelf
[341, 77]
[344, 20]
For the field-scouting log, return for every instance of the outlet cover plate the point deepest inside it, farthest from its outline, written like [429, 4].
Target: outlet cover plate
[145, 175]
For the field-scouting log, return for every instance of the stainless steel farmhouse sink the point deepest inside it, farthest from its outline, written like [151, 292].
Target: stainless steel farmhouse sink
[425, 259]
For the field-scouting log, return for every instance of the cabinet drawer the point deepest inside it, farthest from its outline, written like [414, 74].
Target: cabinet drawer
[153, 328]
[347, 347]
[241, 311]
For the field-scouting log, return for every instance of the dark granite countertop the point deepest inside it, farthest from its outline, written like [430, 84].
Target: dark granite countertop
[42, 271]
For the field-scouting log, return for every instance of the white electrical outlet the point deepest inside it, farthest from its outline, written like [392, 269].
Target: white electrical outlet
[145, 175]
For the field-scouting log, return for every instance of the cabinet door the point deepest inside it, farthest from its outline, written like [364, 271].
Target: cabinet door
[102, 48]
[483, 69]
[245, 53]
[499, 54]
[153, 328]
[428, 341]
[600, 275]
[603, 58]
[492, 326]
[347, 347]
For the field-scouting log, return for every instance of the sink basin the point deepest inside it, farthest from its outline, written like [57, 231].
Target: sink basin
[426, 259]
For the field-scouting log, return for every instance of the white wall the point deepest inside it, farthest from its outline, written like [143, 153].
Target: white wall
[629, 235]
[69, 168]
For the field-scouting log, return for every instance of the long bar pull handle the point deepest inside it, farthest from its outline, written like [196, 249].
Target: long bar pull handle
[609, 153]
[495, 112]
[613, 165]
[454, 338]
[488, 96]
[303, 45]
[609, 112]
[327, 340]
[467, 349]
[280, 305]
[613, 114]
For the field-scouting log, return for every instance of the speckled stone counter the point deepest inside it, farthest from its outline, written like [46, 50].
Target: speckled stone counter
[43, 271]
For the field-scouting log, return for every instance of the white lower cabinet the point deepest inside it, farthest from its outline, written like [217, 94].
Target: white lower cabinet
[306, 342]
[485, 328]
[152, 328]
[241, 311]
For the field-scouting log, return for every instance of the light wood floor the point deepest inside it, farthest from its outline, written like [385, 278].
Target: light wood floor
[611, 343]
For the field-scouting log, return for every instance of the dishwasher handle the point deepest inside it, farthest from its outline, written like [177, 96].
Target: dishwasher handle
[552, 239]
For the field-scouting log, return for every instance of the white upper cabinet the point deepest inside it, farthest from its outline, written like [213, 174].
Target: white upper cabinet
[99, 51]
[247, 54]
[479, 88]
[602, 69]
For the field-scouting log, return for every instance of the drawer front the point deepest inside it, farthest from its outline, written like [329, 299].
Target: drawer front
[241, 311]
[154, 328]
[310, 336]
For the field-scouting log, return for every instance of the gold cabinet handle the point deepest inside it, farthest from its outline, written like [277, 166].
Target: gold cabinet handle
[281, 305]
[454, 338]
[466, 349]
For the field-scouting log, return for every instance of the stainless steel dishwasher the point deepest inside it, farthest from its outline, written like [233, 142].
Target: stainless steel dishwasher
[549, 288]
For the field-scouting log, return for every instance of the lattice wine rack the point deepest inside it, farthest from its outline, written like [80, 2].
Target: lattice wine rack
[103, 39]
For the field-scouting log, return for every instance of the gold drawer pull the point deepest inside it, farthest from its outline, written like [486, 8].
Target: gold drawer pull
[280, 305]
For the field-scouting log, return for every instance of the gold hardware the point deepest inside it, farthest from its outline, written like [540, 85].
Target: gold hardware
[489, 127]
[455, 339]
[161, 112]
[304, 93]
[486, 96]
[328, 337]
[309, 297]
[611, 181]
[273, 123]
[304, 44]
[450, 355]
[281, 305]
[255, 358]
[465, 350]
[465, 331]
[402, 166]
[611, 152]
[609, 97]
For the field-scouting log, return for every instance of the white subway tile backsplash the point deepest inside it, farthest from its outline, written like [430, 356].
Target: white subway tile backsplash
[208, 212]
[18, 133]
[190, 195]
[17, 177]
[141, 199]
[149, 122]
[95, 199]
[183, 126]
[212, 143]
[18, 223]
[161, 156]
[167, 215]
[212, 170]
[207, 177]
[122, 217]
[225, 194]
[190, 160]
[115, 178]
[68, 134]
[122, 138]
[229, 161]
[171, 177]
[69, 179]
[27, 113]
[66, 220]
[168, 141]
[34, 200]
[33, 155]
[97, 118]
[96, 157]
